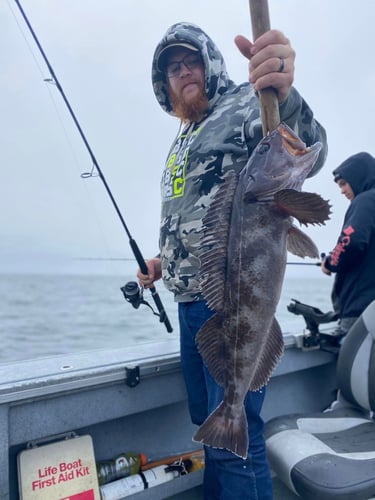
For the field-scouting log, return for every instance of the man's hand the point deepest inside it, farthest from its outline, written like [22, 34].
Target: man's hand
[154, 273]
[324, 269]
[271, 62]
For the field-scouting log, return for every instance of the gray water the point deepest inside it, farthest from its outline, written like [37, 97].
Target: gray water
[42, 315]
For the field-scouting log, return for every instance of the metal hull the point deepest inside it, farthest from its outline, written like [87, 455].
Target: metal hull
[88, 394]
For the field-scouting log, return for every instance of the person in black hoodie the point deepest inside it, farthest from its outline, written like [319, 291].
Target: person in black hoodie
[353, 258]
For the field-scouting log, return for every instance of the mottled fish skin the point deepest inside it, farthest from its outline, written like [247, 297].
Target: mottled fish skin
[243, 263]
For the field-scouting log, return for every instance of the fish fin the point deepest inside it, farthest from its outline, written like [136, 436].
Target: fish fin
[214, 242]
[298, 243]
[211, 348]
[307, 208]
[269, 357]
[226, 430]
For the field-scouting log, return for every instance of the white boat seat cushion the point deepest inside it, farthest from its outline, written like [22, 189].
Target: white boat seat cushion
[331, 455]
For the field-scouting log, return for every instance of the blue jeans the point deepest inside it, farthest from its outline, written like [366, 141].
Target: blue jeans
[226, 476]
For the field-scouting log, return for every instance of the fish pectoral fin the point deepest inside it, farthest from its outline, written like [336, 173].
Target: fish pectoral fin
[211, 348]
[269, 357]
[298, 243]
[307, 208]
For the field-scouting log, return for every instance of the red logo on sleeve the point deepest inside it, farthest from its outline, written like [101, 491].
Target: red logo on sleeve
[341, 245]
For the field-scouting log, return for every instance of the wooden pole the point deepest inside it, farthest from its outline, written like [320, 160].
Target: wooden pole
[268, 102]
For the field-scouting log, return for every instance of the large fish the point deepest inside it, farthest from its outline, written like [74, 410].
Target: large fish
[248, 230]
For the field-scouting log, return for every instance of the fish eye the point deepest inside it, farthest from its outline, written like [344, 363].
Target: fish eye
[263, 148]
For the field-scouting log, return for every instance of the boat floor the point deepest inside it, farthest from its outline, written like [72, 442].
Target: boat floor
[280, 492]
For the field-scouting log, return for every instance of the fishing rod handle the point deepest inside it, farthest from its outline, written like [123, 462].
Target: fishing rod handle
[163, 315]
[143, 267]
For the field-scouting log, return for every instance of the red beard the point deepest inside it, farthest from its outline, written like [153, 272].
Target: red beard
[192, 111]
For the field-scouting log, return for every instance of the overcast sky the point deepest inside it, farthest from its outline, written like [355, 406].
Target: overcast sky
[101, 52]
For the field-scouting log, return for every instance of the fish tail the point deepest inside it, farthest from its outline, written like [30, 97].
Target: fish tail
[225, 429]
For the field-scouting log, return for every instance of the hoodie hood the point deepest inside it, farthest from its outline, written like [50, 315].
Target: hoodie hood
[216, 76]
[359, 171]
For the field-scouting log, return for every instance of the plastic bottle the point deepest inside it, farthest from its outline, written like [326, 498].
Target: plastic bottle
[197, 462]
[122, 465]
[137, 482]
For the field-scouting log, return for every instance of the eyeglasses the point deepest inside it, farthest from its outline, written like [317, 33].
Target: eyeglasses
[191, 61]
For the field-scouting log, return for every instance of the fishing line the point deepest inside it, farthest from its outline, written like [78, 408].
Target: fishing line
[133, 245]
[50, 83]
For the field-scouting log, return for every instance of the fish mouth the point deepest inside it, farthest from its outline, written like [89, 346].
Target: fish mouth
[292, 143]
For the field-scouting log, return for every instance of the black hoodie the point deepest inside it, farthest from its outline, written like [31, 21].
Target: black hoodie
[353, 258]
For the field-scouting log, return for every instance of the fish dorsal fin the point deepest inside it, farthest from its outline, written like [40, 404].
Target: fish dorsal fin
[214, 243]
[307, 208]
[269, 358]
[211, 348]
[298, 243]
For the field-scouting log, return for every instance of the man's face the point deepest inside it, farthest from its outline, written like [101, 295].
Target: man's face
[185, 75]
[346, 189]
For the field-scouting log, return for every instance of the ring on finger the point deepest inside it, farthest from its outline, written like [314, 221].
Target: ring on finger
[282, 65]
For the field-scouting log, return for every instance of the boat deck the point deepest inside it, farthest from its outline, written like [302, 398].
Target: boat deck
[131, 393]
[280, 492]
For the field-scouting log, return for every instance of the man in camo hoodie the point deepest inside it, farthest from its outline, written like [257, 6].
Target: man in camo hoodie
[219, 128]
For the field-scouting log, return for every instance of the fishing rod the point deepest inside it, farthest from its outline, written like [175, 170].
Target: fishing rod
[304, 264]
[322, 257]
[133, 245]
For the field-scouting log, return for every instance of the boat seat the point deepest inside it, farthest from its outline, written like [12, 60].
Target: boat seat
[331, 454]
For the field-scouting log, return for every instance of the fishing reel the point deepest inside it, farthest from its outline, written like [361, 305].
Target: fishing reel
[134, 295]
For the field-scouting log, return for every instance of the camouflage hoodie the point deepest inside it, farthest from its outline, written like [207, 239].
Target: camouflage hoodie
[204, 152]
